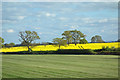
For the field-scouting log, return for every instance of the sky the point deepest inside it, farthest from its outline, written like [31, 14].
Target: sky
[51, 19]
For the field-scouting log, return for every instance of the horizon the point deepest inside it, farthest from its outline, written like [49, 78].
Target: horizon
[51, 19]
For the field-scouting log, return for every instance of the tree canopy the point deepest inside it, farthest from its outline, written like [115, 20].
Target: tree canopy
[83, 41]
[76, 36]
[59, 41]
[96, 38]
[67, 36]
[1, 42]
[28, 37]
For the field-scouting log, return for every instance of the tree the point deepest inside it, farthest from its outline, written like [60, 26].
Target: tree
[1, 42]
[93, 39]
[83, 41]
[118, 40]
[97, 38]
[10, 45]
[59, 41]
[67, 36]
[76, 36]
[23, 43]
[28, 37]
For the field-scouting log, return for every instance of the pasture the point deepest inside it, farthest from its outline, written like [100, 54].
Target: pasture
[60, 66]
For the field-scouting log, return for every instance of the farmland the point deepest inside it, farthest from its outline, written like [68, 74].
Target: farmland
[54, 48]
[60, 66]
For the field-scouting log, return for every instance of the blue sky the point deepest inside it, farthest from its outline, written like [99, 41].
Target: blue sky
[51, 19]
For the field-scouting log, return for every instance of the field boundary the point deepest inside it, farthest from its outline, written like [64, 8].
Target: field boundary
[60, 79]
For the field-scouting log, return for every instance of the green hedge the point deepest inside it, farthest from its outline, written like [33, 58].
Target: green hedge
[75, 51]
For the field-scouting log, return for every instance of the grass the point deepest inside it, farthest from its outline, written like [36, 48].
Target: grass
[60, 66]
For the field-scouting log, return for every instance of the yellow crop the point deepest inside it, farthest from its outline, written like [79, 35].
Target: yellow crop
[53, 47]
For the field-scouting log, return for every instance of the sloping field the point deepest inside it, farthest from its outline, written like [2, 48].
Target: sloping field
[60, 66]
[53, 47]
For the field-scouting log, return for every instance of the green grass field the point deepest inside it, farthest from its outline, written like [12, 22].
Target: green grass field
[60, 66]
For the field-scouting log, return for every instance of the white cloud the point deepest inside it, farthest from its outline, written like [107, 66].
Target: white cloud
[88, 20]
[50, 15]
[103, 20]
[40, 33]
[10, 30]
[37, 27]
[38, 15]
[102, 30]
[92, 24]
[63, 18]
[8, 21]
[66, 25]
[21, 17]
[13, 18]
[74, 27]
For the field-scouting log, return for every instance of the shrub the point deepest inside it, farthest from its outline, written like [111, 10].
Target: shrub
[83, 41]
[107, 48]
[75, 51]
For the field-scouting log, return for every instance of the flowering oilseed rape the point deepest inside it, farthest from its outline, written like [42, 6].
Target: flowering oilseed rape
[54, 47]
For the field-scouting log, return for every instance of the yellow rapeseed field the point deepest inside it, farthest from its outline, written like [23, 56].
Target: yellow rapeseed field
[53, 47]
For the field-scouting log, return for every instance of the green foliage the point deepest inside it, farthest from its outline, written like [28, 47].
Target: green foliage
[97, 38]
[67, 36]
[60, 41]
[108, 49]
[118, 49]
[75, 51]
[73, 36]
[1, 42]
[27, 37]
[10, 45]
[83, 41]
[76, 35]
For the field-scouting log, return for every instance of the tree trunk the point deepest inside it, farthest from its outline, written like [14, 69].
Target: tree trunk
[68, 43]
[29, 49]
[75, 42]
[59, 46]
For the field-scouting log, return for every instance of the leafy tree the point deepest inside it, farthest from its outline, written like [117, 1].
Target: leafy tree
[93, 39]
[96, 38]
[1, 42]
[83, 41]
[76, 36]
[118, 40]
[9, 45]
[28, 37]
[59, 41]
[67, 36]
[12, 44]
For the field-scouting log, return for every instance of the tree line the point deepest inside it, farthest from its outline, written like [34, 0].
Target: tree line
[68, 37]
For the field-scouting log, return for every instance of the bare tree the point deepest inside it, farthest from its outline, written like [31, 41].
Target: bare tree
[28, 37]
